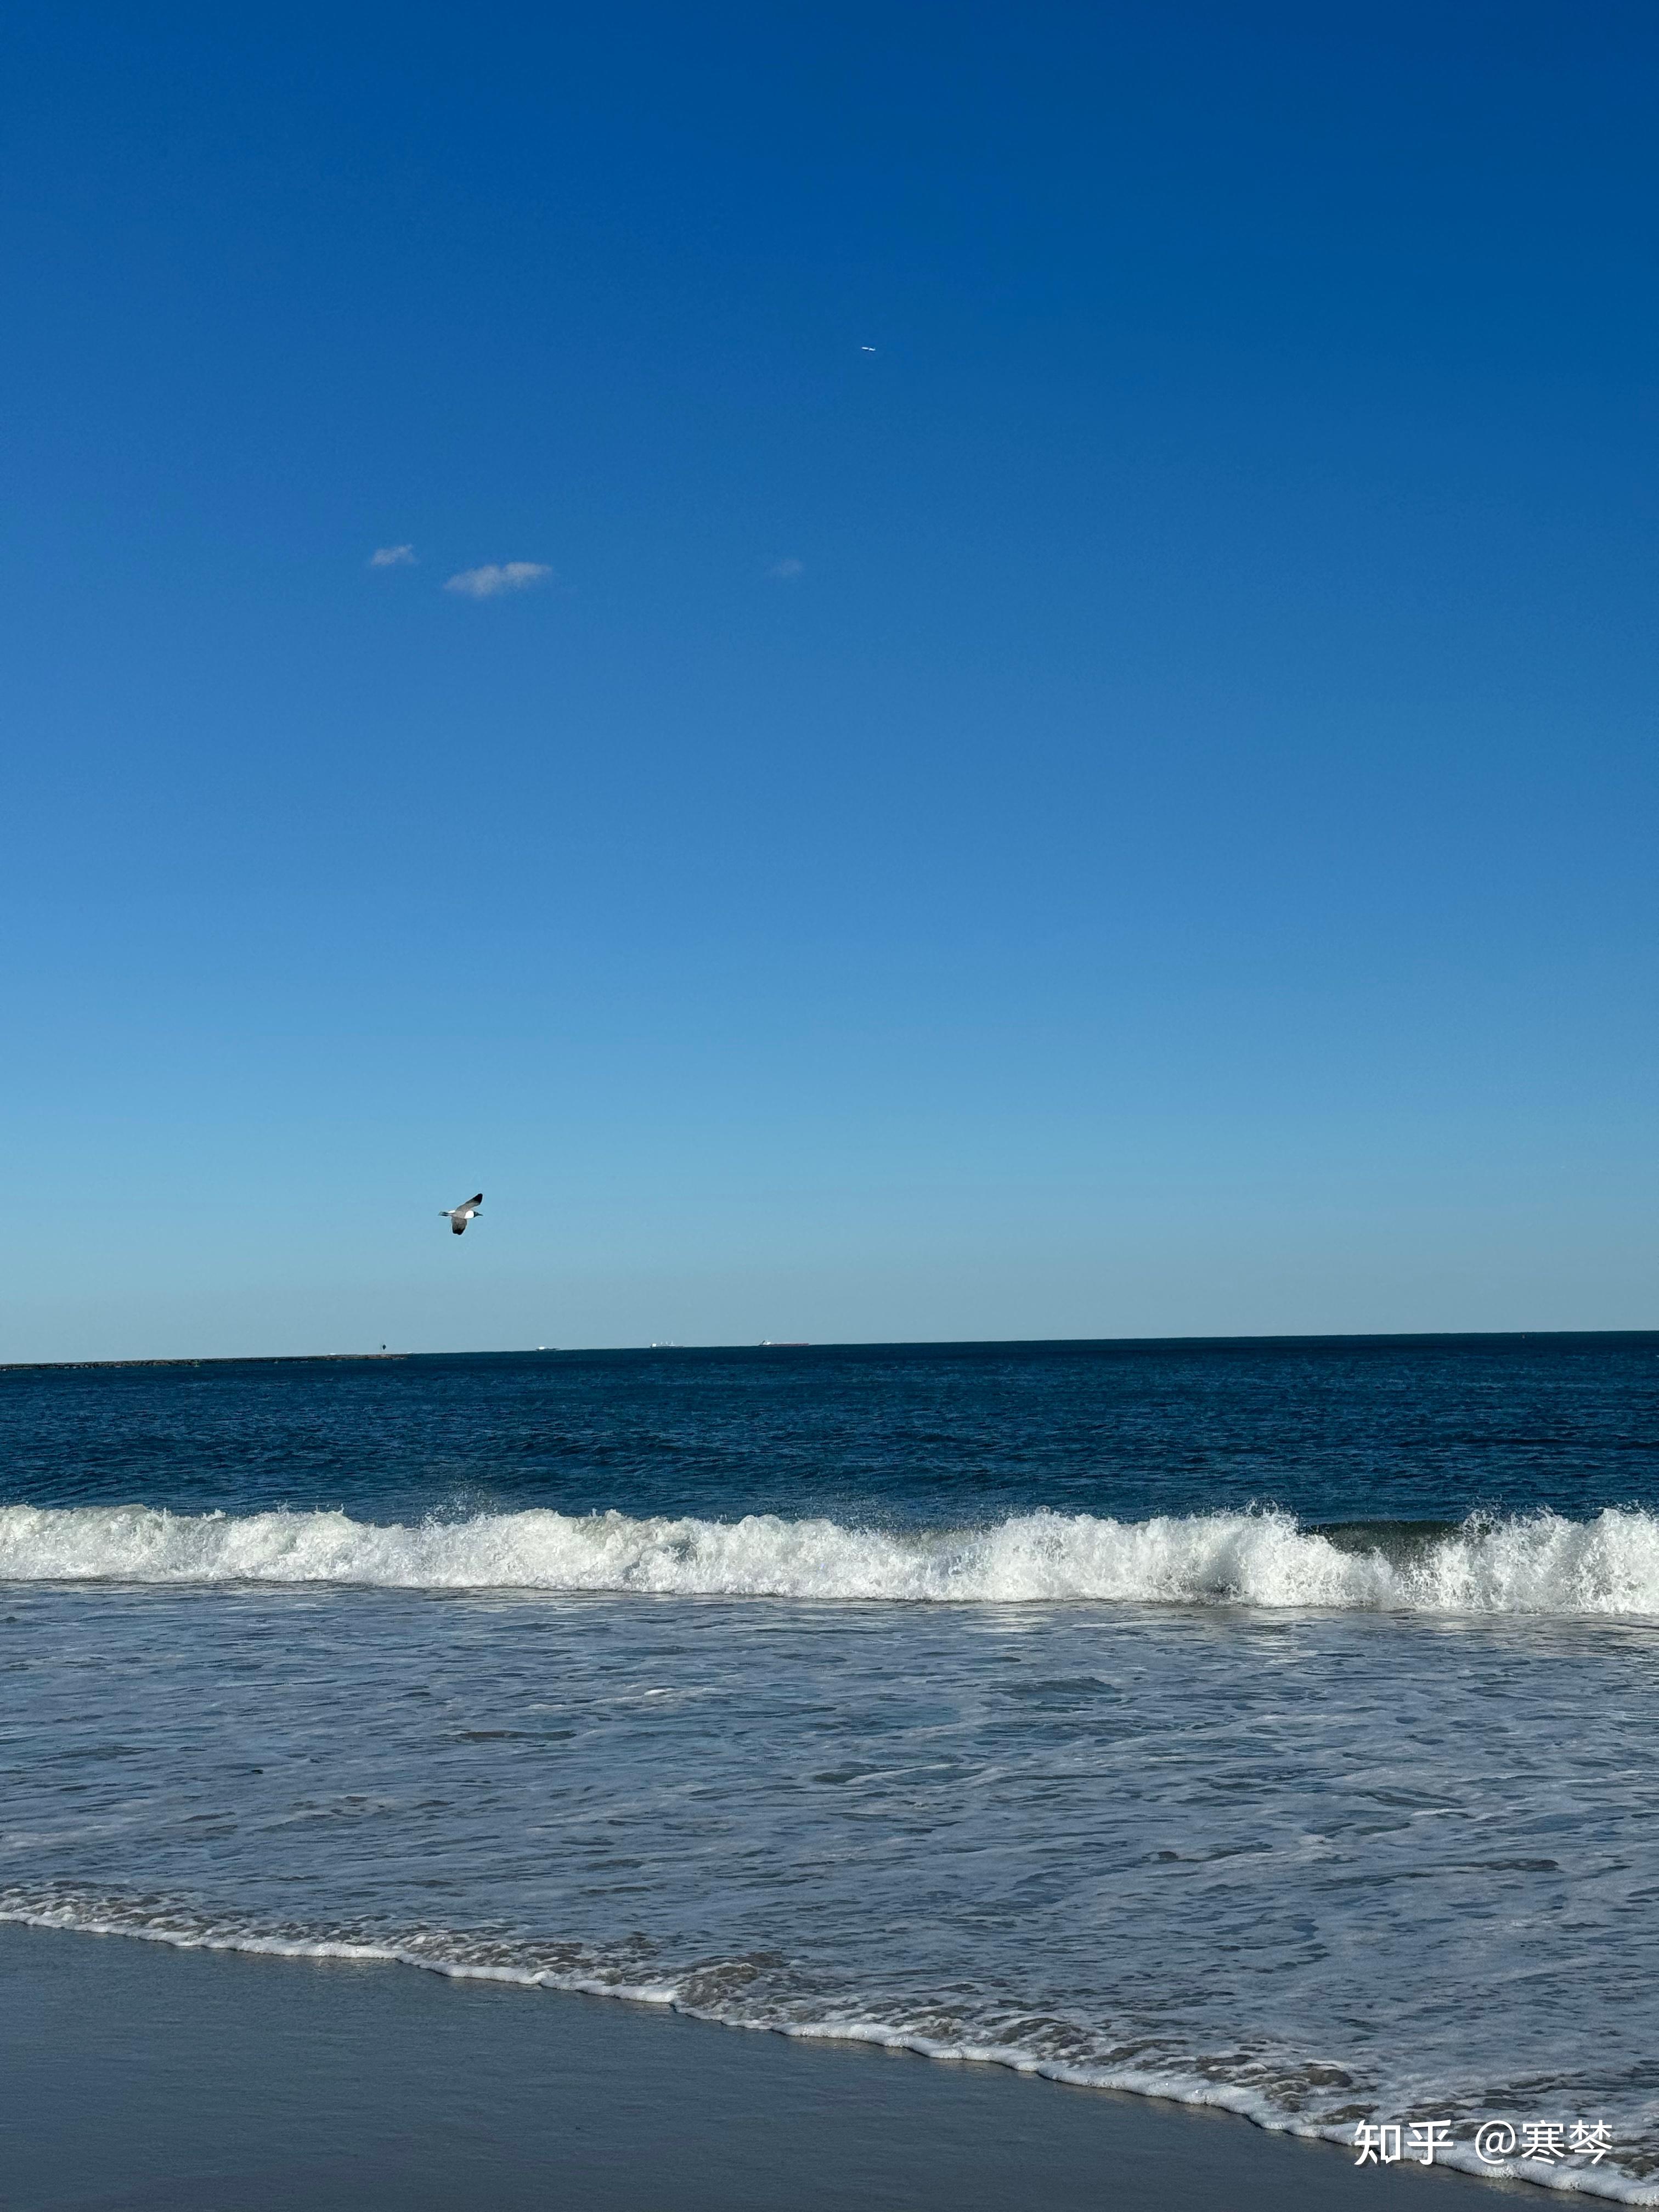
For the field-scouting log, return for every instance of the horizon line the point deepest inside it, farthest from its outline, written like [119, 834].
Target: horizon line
[838, 1344]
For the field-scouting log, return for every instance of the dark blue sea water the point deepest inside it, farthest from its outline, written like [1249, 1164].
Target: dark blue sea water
[1332, 1430]
[1264, 1723]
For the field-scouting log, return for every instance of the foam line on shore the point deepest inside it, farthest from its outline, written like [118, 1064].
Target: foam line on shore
[1179, 2083]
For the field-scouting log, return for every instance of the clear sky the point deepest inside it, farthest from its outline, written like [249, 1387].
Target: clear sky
[1072, 754]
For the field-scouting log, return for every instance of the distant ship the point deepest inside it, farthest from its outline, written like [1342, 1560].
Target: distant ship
[783, 1343]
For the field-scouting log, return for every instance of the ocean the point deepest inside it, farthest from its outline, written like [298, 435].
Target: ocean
[1259, 1724]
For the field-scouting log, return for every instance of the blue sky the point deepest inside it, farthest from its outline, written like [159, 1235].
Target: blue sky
[1081, 763]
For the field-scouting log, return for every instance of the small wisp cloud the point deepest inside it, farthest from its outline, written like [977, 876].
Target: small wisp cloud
[787, 570]
[496, 577]
[392, 557]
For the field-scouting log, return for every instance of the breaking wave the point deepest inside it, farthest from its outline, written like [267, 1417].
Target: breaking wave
[1539, 1562]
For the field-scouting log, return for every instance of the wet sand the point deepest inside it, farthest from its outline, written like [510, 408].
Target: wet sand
[133, 2075]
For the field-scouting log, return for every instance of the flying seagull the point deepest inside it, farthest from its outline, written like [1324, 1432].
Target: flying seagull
[458, 1216]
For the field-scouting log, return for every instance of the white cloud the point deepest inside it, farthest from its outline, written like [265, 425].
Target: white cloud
[787, 570]
[498, 576]
[392, 557]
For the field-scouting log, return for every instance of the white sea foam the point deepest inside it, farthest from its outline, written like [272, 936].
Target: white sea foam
[1539, 1564]
[1186, 2084]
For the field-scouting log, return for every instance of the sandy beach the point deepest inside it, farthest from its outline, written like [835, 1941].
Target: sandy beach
[136, 2076]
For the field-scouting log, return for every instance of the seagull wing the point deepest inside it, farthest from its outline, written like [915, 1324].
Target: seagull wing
[457, 1221]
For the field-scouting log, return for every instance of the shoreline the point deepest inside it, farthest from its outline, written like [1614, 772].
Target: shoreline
[136, 2076]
